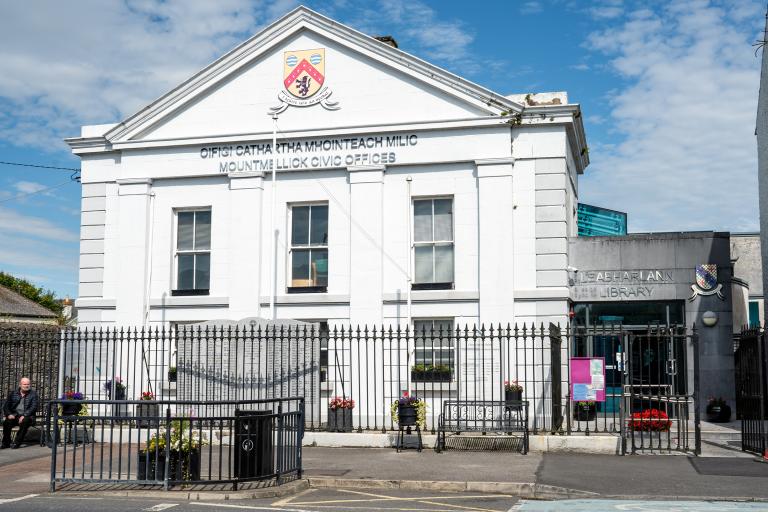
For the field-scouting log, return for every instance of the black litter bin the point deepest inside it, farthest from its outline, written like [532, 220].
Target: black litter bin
[253, 444]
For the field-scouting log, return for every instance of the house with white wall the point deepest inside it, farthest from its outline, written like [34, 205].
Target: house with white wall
[317, 173]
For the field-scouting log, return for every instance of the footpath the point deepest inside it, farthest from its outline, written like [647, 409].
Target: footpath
[536, 475]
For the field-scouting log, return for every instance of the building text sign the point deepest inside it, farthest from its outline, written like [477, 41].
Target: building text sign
[309, 154]
[620, 284]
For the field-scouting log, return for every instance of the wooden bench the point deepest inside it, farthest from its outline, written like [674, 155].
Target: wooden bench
[483, 416]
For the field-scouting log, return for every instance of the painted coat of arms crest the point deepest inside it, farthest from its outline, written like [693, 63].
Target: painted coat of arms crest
[304, 81]
[706, 282]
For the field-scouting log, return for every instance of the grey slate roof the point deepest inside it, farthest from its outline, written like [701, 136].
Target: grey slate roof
[13, 304]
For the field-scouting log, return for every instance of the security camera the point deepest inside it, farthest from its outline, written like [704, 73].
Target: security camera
[571, 269]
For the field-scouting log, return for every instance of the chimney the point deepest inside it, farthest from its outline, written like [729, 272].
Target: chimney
[387, 40]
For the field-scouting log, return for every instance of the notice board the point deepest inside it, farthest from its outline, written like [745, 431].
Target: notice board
[588, 379]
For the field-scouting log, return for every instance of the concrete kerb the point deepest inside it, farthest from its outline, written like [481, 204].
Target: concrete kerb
[522, 490]
[248, 494]
[597, 444]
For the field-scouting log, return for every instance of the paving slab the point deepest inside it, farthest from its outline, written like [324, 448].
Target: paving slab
[676, 477]
[449, 466]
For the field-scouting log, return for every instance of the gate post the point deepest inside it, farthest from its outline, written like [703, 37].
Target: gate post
[696, 391]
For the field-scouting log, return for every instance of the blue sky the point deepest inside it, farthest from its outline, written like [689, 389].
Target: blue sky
[668, 90]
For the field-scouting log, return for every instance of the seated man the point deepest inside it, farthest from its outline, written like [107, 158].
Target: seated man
[19, 409]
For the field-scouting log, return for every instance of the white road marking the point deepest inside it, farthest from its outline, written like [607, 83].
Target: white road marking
[161, 506]
[247, 507]
[10, 500]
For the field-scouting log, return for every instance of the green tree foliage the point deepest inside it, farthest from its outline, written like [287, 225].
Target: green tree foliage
[45, 298]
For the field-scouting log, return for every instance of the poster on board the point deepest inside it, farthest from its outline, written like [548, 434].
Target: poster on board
[587, 379]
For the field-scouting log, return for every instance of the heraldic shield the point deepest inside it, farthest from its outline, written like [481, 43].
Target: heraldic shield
[706, 276]
[304, 72]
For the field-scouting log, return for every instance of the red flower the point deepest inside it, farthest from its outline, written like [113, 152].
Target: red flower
[650, 420]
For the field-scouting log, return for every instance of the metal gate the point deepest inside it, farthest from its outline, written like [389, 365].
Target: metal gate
[752, 390]
[659, 406]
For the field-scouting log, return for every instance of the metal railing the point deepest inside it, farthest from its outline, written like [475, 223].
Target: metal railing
[168, 443]
[752, 389]
[371, 365]
[30, 351]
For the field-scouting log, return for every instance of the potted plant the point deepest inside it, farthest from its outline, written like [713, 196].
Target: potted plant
[718, 410]
[71, 409]
[431, 373]
[584, 410]
[183, 453]
[409, 411]
[114, 388]
[513, 392]
[149, 413]
[75, 430]
[340, 414]
[650, 420]
[172, 374]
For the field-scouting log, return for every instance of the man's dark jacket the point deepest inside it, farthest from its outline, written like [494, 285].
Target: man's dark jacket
[14, 397]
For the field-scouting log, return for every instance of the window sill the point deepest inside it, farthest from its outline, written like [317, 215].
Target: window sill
[307, 289]
[432, 286]
[433, 387]
[187, 293]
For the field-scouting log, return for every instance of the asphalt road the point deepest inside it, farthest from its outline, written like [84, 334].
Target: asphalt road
[312, 500]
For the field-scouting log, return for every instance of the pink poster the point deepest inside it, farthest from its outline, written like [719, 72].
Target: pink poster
[588, 379]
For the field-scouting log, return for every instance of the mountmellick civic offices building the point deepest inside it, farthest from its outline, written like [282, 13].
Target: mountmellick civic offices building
[392, 175]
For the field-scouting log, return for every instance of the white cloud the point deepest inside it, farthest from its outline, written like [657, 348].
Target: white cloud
[531, 8]
[580, 67]
[21, 225]
[687, 155]
[65, 64]
[29, 187]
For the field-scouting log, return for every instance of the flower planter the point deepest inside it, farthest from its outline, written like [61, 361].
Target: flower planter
[406, 415]
[430, 376]
[340, 420]
[149, 415]
[172, 375]
[511, 397]
[581, 413]
[718, 413]
[182, 466]
[70, 409]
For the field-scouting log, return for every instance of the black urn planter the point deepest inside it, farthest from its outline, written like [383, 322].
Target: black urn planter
[182, 465]
[718, 413]
[511, 397]
[71, 409]
[172, 375]
[406, 415]
[339, 420]
[584, 413]
[148, 415]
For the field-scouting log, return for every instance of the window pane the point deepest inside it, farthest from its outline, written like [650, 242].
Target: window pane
[202, 271]
[422, 221]
[185, 277]
[423, 264]
[203, 230]
[300, 268]
[444, 263]
[319, 225]
[300, 225]
[185, 235]
[319, 262]
[443, 219]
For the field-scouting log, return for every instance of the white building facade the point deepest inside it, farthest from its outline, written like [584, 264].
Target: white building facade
[402, 193]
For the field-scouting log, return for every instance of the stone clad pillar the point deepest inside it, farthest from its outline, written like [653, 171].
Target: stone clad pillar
[366, 241]
[246, 211]
[134, 204]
